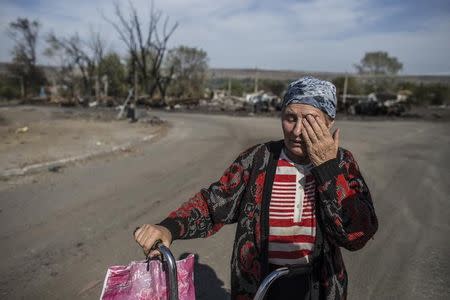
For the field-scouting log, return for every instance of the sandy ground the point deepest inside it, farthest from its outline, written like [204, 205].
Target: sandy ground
[61, 231]
[35, 135]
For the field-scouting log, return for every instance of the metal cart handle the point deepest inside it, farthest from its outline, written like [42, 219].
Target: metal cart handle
[280, 272]
[169, 260]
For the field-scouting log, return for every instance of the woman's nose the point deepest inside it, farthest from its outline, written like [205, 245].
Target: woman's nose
[298, 127]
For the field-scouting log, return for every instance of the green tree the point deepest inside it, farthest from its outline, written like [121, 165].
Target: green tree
[379, 63]
[238, 87]
[112, 67]
[25, 35]
[189, 66]
[434, 94]
[9, 87]
[353, 87]
[277, 87]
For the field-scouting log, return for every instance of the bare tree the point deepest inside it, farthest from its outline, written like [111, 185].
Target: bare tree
[146, 44]
[25, 35]
[78, 53]
[97, 46]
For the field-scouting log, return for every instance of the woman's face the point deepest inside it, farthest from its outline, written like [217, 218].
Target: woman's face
[291, 120]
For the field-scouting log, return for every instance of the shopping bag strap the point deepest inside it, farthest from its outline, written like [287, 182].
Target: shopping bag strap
[154, 247]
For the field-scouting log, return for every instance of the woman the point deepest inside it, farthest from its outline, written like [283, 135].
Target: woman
[295, 201]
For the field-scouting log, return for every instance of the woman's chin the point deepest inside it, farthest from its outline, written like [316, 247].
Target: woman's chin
[296, 151]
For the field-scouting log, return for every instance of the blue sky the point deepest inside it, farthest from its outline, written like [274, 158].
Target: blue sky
[311, 35]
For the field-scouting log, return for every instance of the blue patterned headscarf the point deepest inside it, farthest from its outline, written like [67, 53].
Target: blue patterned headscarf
[312, 91]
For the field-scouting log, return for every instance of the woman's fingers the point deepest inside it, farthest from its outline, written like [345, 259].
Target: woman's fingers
[149, 243]
[323, 127]
[315, 126]
[147, 235]
[309, 130]
[320, 144]
[305, 137]
[142, 236]
[154, 253]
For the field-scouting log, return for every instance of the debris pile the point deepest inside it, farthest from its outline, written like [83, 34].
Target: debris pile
[224, 103]
[377, 104]
[22, 129]
[152, 120]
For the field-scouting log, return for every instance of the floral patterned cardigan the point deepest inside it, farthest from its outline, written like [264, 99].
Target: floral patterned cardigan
[344, 210]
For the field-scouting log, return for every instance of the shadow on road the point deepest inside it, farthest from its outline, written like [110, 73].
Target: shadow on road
[207, 284]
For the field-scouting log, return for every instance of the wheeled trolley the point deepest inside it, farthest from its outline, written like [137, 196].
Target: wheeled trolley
[171, 268]
[278, 273]
[170, 265]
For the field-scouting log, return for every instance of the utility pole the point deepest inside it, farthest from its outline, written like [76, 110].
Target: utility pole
[256, 80]
[105, 85]
[344, 96]
[22, 87]
[135, 84]
[97, 88]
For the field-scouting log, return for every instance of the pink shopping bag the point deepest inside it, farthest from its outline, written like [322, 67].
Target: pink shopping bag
[135, 282]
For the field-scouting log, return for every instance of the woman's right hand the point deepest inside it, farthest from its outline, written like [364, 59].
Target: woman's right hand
[147, 235]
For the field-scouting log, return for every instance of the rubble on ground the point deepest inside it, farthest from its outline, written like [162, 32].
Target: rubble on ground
[374, 104]
[225, 103]
[22, 129]
[152, 120]
[221, 101]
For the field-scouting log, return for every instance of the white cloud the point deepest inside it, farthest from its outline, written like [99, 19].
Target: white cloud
[326, 35]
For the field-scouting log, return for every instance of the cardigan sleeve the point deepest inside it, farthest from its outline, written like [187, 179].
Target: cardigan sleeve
[346, 209]
[211, 208]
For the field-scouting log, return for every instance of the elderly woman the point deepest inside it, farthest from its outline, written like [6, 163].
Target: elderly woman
[295, 201]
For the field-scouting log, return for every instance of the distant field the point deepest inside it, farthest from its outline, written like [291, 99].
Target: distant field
[289, 75]
[237, 73]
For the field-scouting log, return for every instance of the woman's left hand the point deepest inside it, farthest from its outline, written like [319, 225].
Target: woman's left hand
[320, 144]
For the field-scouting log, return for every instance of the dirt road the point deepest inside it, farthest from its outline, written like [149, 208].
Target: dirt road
[59, 232]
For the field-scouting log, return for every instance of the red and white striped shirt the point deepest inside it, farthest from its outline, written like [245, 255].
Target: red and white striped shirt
[292, 221]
